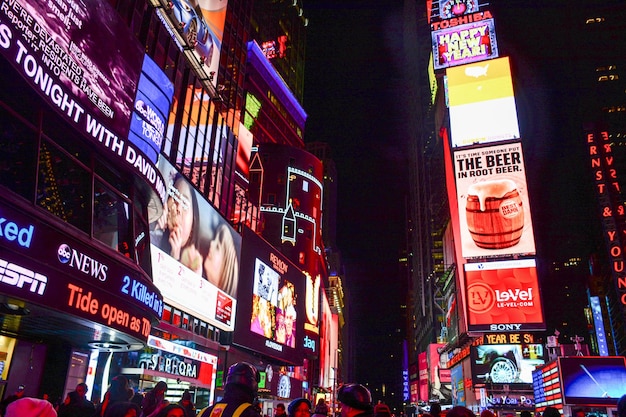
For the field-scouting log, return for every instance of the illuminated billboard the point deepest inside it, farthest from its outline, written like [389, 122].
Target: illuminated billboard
[591, 380]
[464, 44]
[197, 27]
[503, 296]
[41, 264]
[505, 364]
[271, 312]
[195, 254]
[494, 207]
[482, 103]
[87, 65]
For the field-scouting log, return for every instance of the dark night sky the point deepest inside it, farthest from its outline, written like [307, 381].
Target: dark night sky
[353, 81]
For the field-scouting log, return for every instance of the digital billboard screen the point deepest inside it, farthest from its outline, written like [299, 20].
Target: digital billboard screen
[493, 201]
[503, 296]
[84, 61]
[199, 27]
[482, 103]
[464, 44]
[505, 364]
[597, 380]
[195, 253]
[271, 312]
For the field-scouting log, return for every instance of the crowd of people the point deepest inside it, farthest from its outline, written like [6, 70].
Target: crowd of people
[119, 401]
[240, 400]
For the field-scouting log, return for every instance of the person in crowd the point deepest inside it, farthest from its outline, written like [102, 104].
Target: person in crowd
[579, 412]
[154, 400]
[123, 409]
[321, 409]
[118, 391]
[355, 400]
[300, 407]
[487, 413]
[525, 413]
[621, 406]
[8, 400]
[187, 403]
[382, 410]
[240, 388]
[551, 412]
[172, 410]
[280, 410]
[435, 409]
[76, 403]
[460, 411]
[30, 407]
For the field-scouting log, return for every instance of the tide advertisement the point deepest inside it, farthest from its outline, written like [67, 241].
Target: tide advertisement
[42, 264]
[503, 296]
[482, 103]
[195, 254]
[494, 207]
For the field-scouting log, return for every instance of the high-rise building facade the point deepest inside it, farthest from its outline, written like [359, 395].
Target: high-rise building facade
[125, 197]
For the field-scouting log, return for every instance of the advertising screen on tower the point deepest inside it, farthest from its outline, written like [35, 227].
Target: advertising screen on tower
[195, 254]
[503, 296]
[482, 103]
[494, 207]
[271, 296]
[464, 44]
[593, 380]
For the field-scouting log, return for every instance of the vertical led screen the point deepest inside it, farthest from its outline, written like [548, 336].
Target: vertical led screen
[598, 322]
[503, 296]
[85, 63]
[440, 388]
[195, 254]
[464, 44]
[271, 313]
[458, 385]
[482, 104]
[494, 209]
[151, 109]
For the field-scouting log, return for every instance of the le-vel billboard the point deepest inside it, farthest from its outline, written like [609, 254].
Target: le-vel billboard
[503, 296]
[84, 62]
[271, 312]
[494, 209]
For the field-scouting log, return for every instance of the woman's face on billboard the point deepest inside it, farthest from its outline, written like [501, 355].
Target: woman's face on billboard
[180, 210]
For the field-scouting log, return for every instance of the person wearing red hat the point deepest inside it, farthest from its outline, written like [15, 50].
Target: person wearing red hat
[31, 407]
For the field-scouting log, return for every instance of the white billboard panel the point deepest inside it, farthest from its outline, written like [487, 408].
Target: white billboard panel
[482, 104]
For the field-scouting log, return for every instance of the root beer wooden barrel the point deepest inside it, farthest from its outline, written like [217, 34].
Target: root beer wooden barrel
[495, 215]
